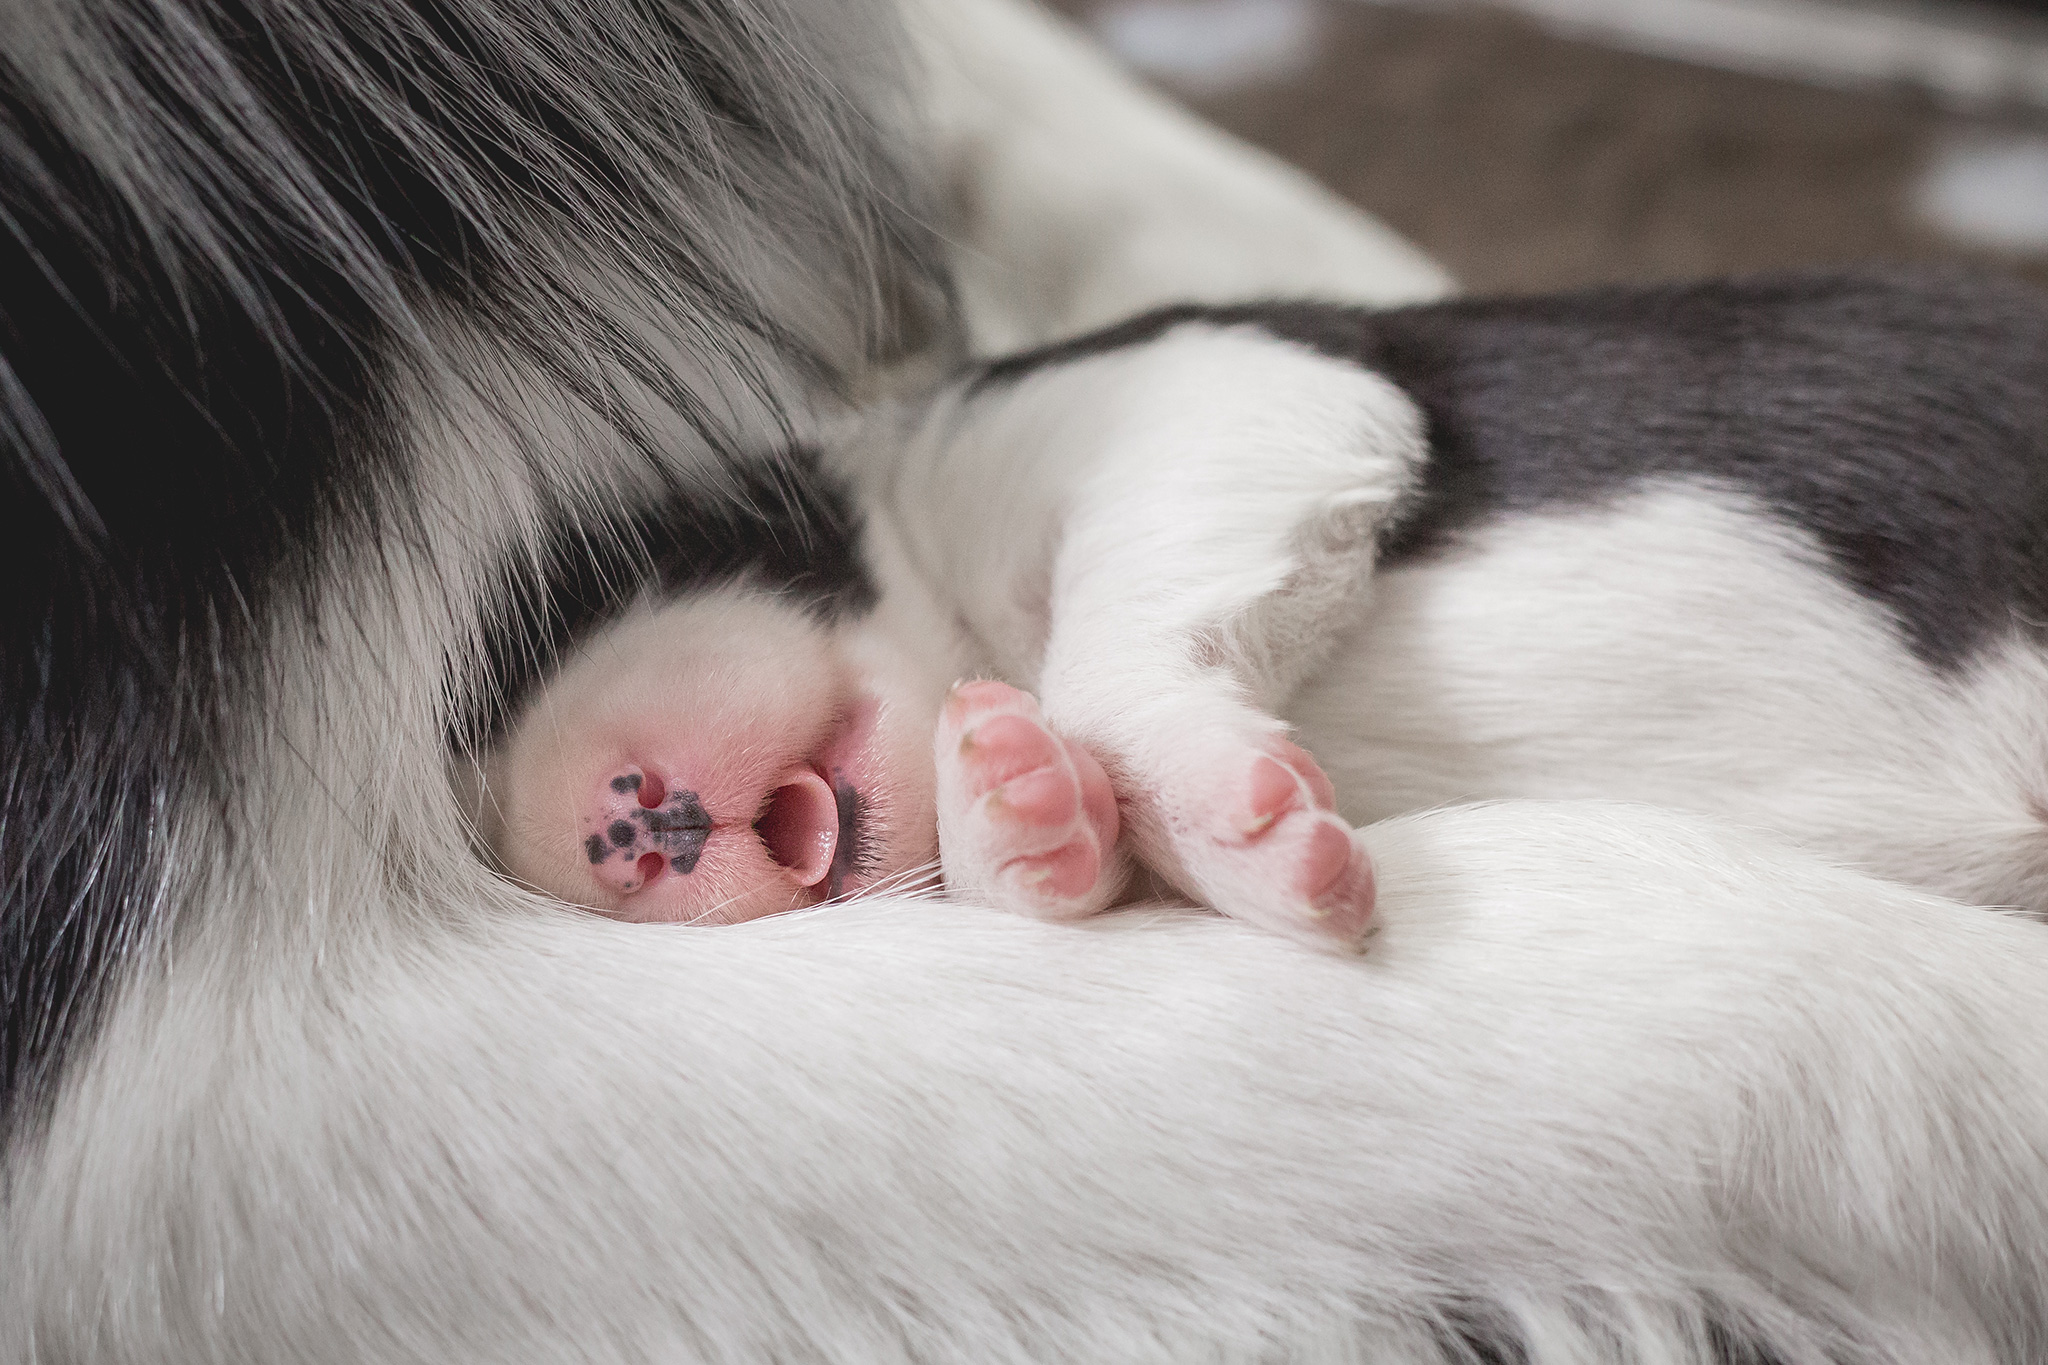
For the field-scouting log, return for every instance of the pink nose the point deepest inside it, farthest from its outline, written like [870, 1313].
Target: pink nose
[642, 833]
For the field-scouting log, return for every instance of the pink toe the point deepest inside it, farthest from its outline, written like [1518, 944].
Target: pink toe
[1048, 796]
[1347, 916]
[1068, 871]
[1274, 790]
[969, 698]
[1326, 859]
[1004, 747]
[1304, 765]
[1337, 879]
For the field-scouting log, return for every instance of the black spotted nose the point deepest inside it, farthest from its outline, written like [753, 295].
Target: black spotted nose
[648, 829]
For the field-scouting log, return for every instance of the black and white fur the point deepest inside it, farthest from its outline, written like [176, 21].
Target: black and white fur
[1775, 551]
[346, 349]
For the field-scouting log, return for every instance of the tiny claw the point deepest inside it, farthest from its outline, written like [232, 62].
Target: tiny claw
[1275, 790]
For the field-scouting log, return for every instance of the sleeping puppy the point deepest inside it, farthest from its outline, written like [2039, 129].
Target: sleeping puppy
[1773, 550]
[358, 357]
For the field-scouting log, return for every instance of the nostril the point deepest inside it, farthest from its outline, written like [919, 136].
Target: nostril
[649, 866]
[799, 826]
[651, 791]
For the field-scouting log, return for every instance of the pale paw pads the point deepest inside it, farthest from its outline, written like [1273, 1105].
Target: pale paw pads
[1050, 796]
[1006, 747]
[1277, 853]
[1068, 873]
[1026, 818]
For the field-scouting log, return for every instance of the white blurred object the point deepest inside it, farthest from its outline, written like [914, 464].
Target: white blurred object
[1966, 55]
[1080, 196]
[1212, 46]
[1988, 191]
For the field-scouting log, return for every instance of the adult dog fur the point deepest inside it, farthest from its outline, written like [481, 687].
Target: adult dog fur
[345, 345]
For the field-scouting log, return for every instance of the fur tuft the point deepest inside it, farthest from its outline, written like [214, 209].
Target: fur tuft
[228, 232]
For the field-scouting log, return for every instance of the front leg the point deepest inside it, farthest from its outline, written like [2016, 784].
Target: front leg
[1159, 534]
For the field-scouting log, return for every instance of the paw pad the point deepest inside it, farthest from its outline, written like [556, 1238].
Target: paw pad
[1026, 818]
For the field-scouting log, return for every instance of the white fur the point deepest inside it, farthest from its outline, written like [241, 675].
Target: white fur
[1682, 647]
[1172, 498]
[1606, 1066]
[1083, 198]
[1154, 538]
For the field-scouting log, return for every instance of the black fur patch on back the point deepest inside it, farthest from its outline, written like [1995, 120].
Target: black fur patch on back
[1901, 418]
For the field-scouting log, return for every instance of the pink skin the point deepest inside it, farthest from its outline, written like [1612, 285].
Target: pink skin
[1029, 817]
[649, 826]
[1289, 814]
[710, 762]
[691, 766]
[1030, 821]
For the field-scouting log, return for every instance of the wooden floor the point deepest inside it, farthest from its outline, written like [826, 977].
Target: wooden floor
[1525, 161]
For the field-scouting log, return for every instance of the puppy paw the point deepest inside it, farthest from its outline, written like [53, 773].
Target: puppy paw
[1285, 835]
[1251, 828]
[1027, 820]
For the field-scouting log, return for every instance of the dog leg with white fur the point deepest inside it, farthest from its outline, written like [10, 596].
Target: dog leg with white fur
[1157, 533]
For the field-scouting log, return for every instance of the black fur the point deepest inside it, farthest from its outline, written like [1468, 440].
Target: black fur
[1901, 418]
[1478, 1334]
[791, 527]
[202, 317]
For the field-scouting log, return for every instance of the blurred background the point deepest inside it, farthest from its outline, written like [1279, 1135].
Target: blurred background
[1536, 144]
